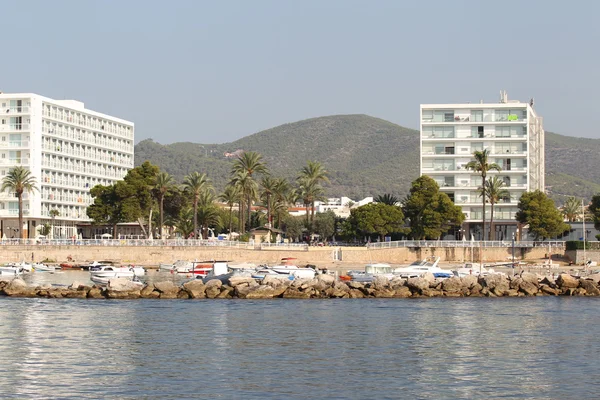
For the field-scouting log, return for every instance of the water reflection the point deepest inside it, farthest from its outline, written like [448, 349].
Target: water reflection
[433, 348]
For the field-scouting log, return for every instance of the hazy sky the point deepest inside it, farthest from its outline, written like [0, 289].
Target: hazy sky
[212, 72]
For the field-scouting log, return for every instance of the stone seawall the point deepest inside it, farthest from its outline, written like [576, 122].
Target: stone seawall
[323, 286]
[314, 255]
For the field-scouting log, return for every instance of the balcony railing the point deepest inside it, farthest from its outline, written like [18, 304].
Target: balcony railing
[14, 110]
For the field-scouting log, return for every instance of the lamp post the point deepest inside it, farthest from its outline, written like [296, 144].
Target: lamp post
[513, 253]
[583, 220]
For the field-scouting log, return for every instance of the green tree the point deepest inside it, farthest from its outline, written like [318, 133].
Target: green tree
[375, 218]
[310, 179]
[53, 214]
[250, 163]
[430, 212]
[164, 182]
[18, 181]
[208, 212]
[282, 198]
[292, 226]
[538, 211]
[388, 199]
[310, 192]
[106, 209]
[481, 165]
[231, 197]
[248, 189]
[494, 190]
[268, 186]
[185, 222]
[194, 184]
[135, 193]
[594, 209]
[45, 229]
[571, 210]
[325, 225]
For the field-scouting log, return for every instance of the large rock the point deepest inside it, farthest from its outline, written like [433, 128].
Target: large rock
[549, 290]
[122, 294]
[384, 293]
[452, 285]
[530, 277]
[417, 284]
[496, 283]
[241, 280]
[594, 277]
[469, 281]
[326, 278]
[195, 288]
[402, 292]
[95, 293]
[428, 276]
[566, 281]
[380, 282]
[355, 285]
[166, 289]
[397, 282]
[212, 291]
[214, 283]
[590, 287]
[293, 293]
[149, 293]
[528, 288]
[278, 280]
[19, 288]
[124, 285]
[356, 294]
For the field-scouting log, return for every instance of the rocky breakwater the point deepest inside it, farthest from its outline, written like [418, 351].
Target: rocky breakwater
[323, 286]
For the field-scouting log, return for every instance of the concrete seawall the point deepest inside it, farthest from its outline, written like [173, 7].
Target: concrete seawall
[314, 255]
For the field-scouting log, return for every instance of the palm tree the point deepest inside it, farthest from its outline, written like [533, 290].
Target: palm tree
[207, 212]
[251, 163]
[184, 223]
[311, 176]
[248, 189]
[281, 194]
[164, 182]
[309, 191]
[494, 191]
[194, 184]
[387, 198]
[571, 209]
[230, 197]
[53, 214]
[269, 185]
[481, 165]
[19, 180]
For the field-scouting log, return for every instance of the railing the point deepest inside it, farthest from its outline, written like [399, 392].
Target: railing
[155, 243]
[462, 243]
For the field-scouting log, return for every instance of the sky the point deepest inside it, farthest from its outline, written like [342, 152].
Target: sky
[216, 71]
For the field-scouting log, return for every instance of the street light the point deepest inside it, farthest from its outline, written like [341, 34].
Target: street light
[513, 253]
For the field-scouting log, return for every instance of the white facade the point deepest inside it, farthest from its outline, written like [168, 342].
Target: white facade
[512, 133]
[68, 149]
[340, 206]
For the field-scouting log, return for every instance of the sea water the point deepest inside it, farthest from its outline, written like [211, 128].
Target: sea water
[469, 348]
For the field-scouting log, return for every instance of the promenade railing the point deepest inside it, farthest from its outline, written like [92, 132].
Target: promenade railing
[461, 243]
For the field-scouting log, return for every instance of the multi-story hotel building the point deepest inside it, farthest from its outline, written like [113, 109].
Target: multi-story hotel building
[514, 136]
[68, 150]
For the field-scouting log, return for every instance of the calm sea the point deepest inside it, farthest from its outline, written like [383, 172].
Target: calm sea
[542, 348]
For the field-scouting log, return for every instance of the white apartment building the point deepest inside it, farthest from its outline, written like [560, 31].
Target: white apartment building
[513, 134]
[68, 149]
[341, 206]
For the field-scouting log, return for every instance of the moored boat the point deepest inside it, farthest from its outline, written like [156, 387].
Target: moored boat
[422, 267]
[11, 270]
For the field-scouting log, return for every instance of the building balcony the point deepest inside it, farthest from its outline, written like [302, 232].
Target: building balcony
[14, 128]
[14, 110]
[14, 161]
[12, 213]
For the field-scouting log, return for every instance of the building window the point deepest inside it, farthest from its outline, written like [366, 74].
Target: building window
[477, 115]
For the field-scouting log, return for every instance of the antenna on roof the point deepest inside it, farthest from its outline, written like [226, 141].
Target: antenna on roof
[503, 96]
[531, 102]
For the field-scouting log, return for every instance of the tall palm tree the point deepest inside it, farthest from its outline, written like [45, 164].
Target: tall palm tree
[251, 163]
[185, 223]
[53, 214]
[194, 184]
[311, 176]
[163, 183]
[230, 196]
[268, 185]
[281, 194]
[310, 191]
[481, 165]
[494, 191]
[206, 211]
[248, 189]
[571, 209]
[19, 180]
[388, 199]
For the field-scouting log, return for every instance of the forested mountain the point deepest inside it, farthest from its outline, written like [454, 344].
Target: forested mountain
[364, 156]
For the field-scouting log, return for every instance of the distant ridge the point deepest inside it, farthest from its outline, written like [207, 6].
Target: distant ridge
[364, 155]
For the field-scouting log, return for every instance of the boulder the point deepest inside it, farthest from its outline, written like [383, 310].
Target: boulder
[384, 293]
[495, 282]
[380, 282]
[333, 292]
[166, 289]
[326, 278]
[530, 277]
[469, 281]
[124, 285]
[515, 282]
[566, 281]
[226, 292]
[122, 294]
[594, 277]
[452, 294]
[195, 288]
[293, 293]
[397, 282]
[304, 283]
[528, 288]
[148, 292]
[356, 294]
[213, 283]
[590, 287]
[452, 285]
[402, 292]
[95, 293]
[19, 288]
[76, 294]
[76, 286]
[431, 293]
[428, 276]
[239, 280]
[549, 281]
[212, 291]
[417, 284]
[512, 293]
[355, 285]
[549, 290]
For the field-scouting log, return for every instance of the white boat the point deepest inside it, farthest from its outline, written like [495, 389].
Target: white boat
[110, 271]
[39, 267]
[371, 271]
[10, 270]
[287, 268]
[179, 267]
[420, 268]
[27, 267]
[103, 281]
[474, 269]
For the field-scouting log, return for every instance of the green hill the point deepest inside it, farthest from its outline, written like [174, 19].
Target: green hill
[364, 156]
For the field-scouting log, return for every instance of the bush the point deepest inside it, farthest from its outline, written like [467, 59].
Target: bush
[578, 245]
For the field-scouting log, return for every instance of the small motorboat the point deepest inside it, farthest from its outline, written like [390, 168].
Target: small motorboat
[105, 281]
[11, 271]
[420, 268]
[371, 272]
[39, 267]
